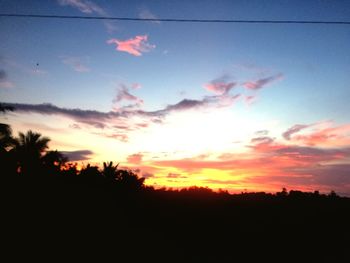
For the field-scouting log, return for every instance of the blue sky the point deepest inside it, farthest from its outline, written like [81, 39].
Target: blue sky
[304, 71]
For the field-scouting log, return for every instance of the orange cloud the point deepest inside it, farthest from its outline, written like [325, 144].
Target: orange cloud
[135, 158]
[134, 46]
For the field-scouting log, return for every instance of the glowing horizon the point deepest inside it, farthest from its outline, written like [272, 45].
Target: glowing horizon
[254, 108]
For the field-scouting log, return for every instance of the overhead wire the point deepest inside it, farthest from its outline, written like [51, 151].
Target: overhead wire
[176, 20]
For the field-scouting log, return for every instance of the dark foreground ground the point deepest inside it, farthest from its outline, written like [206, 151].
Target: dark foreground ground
[63, 220]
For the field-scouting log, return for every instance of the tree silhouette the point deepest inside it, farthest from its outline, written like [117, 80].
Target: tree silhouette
[6, 139]
[7, 142]
[29, 148]
[128, 180]
[110, 171]
[53, 162]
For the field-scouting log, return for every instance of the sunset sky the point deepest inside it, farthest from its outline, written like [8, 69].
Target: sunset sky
[253, 107]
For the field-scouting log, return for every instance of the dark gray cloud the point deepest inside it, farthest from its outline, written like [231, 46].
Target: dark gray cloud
[80, 155]
[101, 120]
[90, 117]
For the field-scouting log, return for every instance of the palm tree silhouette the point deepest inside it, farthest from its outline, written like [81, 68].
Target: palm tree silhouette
[29, 149]
[6, 139]
[110, 171]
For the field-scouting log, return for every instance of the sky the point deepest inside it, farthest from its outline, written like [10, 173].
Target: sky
[242, 107]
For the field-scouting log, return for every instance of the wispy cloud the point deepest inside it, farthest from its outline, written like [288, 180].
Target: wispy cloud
[3, 74]
[260, 83]
[295, 129]
[84, 6]
[78, 64]
[145, 13]
[220, 85]
[89, 7]
[262, 132]
[4, 82]
[204, 103]
[262, 139]
[124, 94]
[250, 99]
[134, 46]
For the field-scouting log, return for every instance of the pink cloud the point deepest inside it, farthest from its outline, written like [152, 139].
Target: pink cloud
[260, 83]
[339, 135]
[134, 46]
[220, 85]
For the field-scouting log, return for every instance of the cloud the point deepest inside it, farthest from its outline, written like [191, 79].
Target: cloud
[263, 139]
[80, 155]
[294, 129]
[260, 83]
[262, 132]
[111, 26]
[4, 83]
[250, 99]
[135, 158]
[134, 46]
[339, 135]
[89, 7]
[90, 117]
[147, 14]
[220, 85]
[186, 104]
[84, 6]
[124, 94]
[76, 63]
[176, 175]
[3, 74]
[206, 102]
[118, 136]
[123, 114]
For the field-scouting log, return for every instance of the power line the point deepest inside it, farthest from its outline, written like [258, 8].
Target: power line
[179, 20]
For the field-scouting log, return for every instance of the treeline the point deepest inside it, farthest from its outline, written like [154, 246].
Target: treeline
[54, 211]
